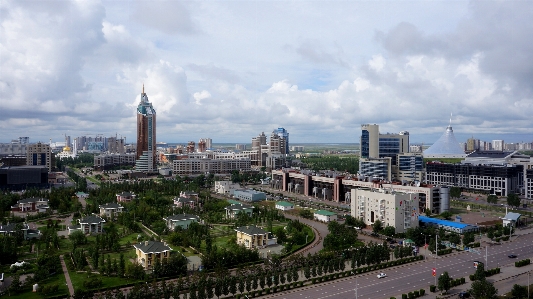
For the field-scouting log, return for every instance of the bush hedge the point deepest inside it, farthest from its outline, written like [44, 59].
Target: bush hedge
[522, 263]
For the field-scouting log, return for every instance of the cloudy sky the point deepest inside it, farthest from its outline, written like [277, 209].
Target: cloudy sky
[229, 70]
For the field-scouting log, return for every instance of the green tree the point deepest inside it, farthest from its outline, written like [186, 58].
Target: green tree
[444, 282]
[513, 200]
[454, 238]
[446, 215]
[480, 272]
[519, 292]
[427, 212]
[16, 285]
[455, 192]
[468, 238]
[377, 226]
[389, 231]
[482, 289]
[492, 198]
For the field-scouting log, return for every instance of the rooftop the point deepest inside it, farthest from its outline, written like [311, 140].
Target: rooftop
[251, 230]
[426, 219]
[152, 247]
[324, 213]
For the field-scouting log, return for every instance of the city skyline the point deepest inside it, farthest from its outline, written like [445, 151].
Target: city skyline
[230, 70]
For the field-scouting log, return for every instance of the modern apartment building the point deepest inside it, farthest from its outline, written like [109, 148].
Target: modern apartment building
[393, 208]
[39, 154]
[146, 136]
[216, 166]
[283, 134]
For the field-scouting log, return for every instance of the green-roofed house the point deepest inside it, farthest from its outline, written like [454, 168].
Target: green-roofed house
[150, 251]
[284, 205]
[233, 210]
[180, 220]
[325, 216]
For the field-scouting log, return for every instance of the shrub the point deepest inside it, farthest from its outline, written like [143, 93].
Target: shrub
[417, 294]
[404, 296]
[410, 295]
[432, 288]
[422, 292]
[463, 280]
[392, 298]
[472, 278]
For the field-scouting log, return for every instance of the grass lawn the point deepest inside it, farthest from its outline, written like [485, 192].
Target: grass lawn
[58, 279]
[108, 281]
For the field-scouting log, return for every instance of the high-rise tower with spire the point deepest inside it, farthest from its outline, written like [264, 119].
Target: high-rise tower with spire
[146, 135]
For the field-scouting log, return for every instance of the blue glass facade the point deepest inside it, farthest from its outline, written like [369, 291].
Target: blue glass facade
[365, 144]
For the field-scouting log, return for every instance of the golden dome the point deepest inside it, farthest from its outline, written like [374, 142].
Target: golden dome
[66, 149]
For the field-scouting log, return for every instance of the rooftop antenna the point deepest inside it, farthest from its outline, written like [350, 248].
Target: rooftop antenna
[451, 113]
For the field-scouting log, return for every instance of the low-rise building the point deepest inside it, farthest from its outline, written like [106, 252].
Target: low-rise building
[89, 225]
[325, 216]
[32, 204]
[181, 202]
[451, 226]
[254, 237]
[225, 187]
[110, 210]
[249, 195]
[149, 251]
[11, 229]
[125, 197]
[284, 205]
[233, 210]
[511, 219]
[393, 208]
[180, 220]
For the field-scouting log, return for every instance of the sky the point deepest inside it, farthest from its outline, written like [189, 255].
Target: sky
[229, 70]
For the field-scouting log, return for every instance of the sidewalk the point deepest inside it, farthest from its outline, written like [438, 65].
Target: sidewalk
[67, 276]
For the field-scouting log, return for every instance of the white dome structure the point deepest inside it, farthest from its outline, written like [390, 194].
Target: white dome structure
[445, 147]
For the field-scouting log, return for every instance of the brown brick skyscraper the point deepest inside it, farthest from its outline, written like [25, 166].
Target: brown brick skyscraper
[146, 135]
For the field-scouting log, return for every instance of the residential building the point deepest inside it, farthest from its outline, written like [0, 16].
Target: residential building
[393, 208]
[107, 161]
[249, 195]
[91, 224]
[324, 216]
[110, 210]
[125, 197]
[12, 229]
[32, 204]
[148, 252]
[233, 210]
[498, 145]
[254, 237]
[146, 136]
[39, 154]
[180, 220]
[181, 202]
[284, 205]
[214, 166]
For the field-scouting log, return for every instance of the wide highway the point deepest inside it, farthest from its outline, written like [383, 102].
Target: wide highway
[407, 278]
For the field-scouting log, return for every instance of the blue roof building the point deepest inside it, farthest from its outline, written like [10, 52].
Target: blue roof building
[451, 226]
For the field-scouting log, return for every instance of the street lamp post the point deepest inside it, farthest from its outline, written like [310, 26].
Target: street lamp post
[436, 255]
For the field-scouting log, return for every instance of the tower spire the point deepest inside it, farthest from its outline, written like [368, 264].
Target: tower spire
[451, 113]
[143, 92]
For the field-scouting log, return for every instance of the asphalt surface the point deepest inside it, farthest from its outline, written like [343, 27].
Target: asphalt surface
[418, 275]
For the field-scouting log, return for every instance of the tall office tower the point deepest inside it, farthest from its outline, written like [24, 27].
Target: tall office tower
[202, 146]
[498, 145]
[24, 140]
[146, 135]
[39, 154]
[285, 135]
[369, 141]
[68, 141]
[190, 147]
[276, 143]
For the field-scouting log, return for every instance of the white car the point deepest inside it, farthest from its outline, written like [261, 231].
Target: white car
[382, 275]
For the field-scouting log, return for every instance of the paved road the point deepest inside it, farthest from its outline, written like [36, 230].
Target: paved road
[406, 278]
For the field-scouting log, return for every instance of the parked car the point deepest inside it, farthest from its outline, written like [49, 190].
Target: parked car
[464, 295]
[512, 256]
[382, 275]
[374, 235]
